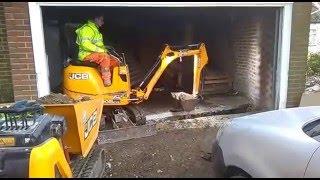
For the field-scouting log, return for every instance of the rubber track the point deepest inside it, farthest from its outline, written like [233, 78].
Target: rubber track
[88, 167]
[138, 114]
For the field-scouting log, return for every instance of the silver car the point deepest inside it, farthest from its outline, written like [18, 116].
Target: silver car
[280, 143]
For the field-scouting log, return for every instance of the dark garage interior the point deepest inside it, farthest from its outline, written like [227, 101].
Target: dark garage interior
[241, 44]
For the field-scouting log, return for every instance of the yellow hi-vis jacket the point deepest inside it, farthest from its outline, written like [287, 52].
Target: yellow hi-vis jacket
[89, 40]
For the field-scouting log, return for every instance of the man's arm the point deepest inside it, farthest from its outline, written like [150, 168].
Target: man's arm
[85, 40]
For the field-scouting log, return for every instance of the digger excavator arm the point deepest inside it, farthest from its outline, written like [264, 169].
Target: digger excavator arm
[170, 54]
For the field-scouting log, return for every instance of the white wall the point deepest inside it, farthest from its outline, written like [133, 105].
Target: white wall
[314, 38]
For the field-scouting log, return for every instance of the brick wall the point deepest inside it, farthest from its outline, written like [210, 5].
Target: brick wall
[252, 44]
[298, 52]
[267, 68]
[20, 50]
[5, 74]
[245, 42]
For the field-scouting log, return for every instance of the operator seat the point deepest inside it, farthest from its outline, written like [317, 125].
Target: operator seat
[72, 47]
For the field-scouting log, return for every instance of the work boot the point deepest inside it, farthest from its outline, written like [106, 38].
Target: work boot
[107, 82]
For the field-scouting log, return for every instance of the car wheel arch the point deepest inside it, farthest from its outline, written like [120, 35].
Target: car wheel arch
[235, 171]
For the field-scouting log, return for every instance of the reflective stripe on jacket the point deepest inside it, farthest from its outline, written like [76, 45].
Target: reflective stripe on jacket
[89, 39]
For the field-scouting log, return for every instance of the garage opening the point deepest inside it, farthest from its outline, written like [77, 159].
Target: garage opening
[241, 45]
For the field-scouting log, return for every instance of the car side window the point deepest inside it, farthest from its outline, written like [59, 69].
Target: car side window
[313, 129]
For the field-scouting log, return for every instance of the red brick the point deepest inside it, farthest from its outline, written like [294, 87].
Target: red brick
[28, 43]
[29, 55]
[20, 71]
[22, 60]
[24, 82]
[21, 39]
[14, 22]
[14, 10]
[16, 55]
[34, 97]
[17, 44]
[32, 77]
[27, 32]
[22, 27]
[14, 33]
[20, 88]
[25, 92]
[19, 66]
[20, 16]
[23, 97]
[33, 88]
[26, 22]
[19, 77]
[15, 4]
[9, 16]
[26, 49]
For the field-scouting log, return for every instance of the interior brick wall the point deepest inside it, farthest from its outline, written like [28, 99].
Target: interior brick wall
[252, 44]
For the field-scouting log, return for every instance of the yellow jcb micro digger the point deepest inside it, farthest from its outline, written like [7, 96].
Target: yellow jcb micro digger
[119, 98]
[58, 140]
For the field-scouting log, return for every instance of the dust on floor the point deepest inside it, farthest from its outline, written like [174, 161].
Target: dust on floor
[175, 153]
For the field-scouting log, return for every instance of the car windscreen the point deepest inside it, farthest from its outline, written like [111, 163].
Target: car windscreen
[312, 129]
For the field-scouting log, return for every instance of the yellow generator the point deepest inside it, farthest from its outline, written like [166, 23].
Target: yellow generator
[50, 141]
[84, 79]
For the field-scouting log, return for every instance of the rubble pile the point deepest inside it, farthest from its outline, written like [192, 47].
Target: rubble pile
[58, 98]
[313, 84]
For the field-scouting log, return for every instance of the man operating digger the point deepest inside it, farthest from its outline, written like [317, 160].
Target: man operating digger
[92, 48]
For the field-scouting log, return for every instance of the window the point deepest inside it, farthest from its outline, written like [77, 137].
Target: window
[313, 37]
[312, 129]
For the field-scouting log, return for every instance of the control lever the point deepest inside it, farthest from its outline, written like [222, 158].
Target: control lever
[124, 58]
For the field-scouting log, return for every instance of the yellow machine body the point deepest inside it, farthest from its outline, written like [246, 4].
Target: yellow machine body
[46, 158]
[82, 81]
[83, 121]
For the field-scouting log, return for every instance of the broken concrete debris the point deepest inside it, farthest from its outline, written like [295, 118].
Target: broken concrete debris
[313, 84]
[184, 100]
[58, 98]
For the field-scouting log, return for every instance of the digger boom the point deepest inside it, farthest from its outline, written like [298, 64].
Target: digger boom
[169, 55]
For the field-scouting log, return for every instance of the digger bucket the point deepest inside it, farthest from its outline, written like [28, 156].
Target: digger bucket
[83, 121]
[186, 101]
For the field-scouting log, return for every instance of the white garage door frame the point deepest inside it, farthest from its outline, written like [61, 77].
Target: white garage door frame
[40, 57]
